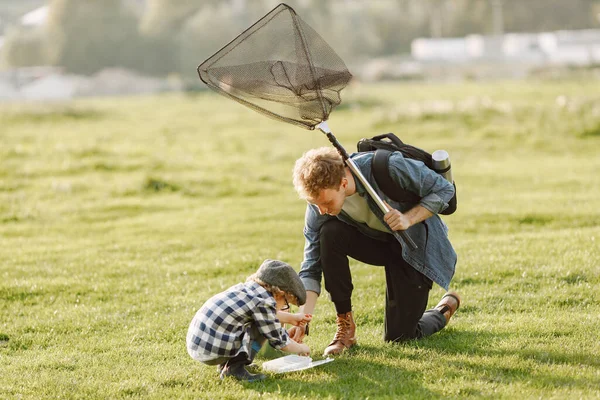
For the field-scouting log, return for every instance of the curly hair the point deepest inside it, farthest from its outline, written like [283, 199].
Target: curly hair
[318, 169]
[274, 290]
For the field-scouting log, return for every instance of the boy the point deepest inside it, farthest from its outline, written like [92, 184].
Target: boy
[232, 326]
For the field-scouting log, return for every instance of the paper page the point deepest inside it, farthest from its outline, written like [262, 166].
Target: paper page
[292, 363]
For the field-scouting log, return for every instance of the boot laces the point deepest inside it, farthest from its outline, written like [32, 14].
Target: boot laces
[343, 326]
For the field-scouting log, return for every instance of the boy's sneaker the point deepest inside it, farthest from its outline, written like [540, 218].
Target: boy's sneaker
[220, 368]
[239, 372]
[252, 368]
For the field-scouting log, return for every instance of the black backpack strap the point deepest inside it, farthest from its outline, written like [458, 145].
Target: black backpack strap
[379, 164]
[381, 159]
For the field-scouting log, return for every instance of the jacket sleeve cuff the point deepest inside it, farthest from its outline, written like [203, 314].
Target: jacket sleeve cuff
[433, 203]
[312, 285]
[281, 343]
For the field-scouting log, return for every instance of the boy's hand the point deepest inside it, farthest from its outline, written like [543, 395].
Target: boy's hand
[304, 350]
[297, 319]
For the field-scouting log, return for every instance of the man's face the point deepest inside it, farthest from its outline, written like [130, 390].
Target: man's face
[330, 201]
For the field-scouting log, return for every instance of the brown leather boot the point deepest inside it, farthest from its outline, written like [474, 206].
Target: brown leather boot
[344, 337]
[448, 305]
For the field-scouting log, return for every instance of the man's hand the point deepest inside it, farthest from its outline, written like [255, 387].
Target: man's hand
[297, 333]
[300, 321]
[396, 220]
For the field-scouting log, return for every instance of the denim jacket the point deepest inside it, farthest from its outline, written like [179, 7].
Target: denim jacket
[435, 258]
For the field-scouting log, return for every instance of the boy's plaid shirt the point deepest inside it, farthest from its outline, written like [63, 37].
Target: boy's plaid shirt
[221, 328]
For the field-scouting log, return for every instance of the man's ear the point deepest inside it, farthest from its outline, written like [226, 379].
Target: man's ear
[344, 183]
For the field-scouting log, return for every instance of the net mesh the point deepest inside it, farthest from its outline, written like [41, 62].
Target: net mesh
[280, 67]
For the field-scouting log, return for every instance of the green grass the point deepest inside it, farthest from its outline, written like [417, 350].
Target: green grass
[120, 217]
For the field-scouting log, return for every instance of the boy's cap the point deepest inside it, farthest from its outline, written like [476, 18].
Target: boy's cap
[280, 274]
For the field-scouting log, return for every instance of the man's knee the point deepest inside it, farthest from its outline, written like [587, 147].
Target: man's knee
[400, 333]
[400, 325]
[401, 336]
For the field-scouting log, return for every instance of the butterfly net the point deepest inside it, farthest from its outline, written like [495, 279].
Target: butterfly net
[280, 67]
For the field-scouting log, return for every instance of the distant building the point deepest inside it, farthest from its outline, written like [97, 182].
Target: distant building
[521, 44]
[581, 47]
[485, 47]
[457, 49]
[572, 47]
[450, 49]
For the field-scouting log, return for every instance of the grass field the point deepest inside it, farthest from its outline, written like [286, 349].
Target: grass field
[120, 217]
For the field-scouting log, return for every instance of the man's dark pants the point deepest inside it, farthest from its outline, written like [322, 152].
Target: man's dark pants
[407, 289]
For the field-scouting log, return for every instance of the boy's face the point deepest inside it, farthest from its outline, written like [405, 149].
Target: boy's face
[282, 302]
[331, 201]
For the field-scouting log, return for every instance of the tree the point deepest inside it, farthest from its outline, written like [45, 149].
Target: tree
[165, 18]
[86, 36]
[205, 33]
[548, 15]
[167, 39]
[23, 48]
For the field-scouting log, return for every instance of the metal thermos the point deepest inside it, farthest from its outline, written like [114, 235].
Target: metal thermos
[441, 164]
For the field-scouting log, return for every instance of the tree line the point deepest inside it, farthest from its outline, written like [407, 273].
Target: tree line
[174, 36]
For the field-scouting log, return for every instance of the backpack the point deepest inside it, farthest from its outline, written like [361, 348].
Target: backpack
[383, 146]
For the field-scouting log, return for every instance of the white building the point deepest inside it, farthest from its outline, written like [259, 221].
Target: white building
[451, 49]
[572, 47]
[485, 47]
[523, 46]
[580, 47]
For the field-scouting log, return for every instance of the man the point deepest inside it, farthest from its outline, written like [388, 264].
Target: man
[342, 221]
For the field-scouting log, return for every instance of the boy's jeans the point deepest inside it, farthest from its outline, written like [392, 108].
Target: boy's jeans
[257, 341]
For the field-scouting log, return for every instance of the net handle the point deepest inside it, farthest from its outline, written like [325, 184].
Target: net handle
[401, 236]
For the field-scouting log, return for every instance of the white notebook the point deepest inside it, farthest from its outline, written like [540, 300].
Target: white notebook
[292, 363]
